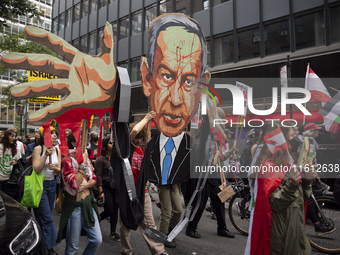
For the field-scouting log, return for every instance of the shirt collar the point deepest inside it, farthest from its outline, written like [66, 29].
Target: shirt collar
[177, 140]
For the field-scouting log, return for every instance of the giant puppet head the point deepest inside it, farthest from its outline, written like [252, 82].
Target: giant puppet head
[89, 82]
[173, 70]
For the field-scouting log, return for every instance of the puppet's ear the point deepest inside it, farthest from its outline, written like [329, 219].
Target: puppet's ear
[206, 77]
[144, 70]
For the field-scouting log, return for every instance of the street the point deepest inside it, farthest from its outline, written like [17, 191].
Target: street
[209, 243]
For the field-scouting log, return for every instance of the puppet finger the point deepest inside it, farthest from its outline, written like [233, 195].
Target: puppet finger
[40, 88]
[36, 62]
[51, 41]
[106, 44]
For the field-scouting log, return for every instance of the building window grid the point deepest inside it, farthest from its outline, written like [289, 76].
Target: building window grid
[150, 15]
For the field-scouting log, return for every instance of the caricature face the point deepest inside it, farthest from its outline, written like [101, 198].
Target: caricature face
[177, 63]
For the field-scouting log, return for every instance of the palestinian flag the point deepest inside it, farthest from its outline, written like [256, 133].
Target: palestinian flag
[276, 141]
[258, 241]
[331, 110]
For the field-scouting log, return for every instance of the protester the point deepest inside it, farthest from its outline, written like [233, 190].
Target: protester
[47, 161]
[278, 221]
[27, 158]
[107, 192]
[211, 189]
[79, 209]
[28, 140]
[93, 147]
[257, 138]
[20, 145]
[137, 134]
[318, 187]
[9, 155]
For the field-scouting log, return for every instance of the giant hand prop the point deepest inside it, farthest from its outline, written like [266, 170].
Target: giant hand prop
[88, 81]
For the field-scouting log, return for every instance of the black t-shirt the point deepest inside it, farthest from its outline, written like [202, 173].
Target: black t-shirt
[92, 151]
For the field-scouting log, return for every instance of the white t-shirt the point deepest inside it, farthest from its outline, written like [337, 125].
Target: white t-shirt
[5, 158]
[20, 147]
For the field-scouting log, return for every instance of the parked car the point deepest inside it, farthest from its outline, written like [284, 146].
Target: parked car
[19, 232]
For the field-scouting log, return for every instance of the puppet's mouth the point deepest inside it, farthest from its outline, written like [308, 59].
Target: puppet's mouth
[172, 119]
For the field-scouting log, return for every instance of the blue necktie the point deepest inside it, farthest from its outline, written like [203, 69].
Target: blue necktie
[169, 146]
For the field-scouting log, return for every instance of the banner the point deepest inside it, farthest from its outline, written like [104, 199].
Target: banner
[39, 76]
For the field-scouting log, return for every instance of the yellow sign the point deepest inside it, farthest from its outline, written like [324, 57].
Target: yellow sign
[40, 76]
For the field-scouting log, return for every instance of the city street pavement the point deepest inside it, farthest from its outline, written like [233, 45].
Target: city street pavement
[209, 243]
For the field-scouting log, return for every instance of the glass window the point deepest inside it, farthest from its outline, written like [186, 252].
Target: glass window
[200, 5]
[276, 37]
[248, 44]
[150, 15]
[49, 2]
[111, 1]
[224, 50]
[123, 64]
[62, 21]
[100, 33]
[309, 30]
[136, 23]
[68, 17]
[76, 12]
[48, 11]
[183, 6]
[124, 28]
[115, 31]
[55, 25]
[135, 70]
[165, 6]
[217, 2]
[47, 24]
[94, 6]
[85, 8]
[335, 24]
[92, 41]
[75, 43]
[83, 44]
[21, 29]
[22, 19]
[102, 3]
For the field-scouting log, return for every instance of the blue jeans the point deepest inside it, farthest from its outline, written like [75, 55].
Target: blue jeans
[43, 214]
[74, 225]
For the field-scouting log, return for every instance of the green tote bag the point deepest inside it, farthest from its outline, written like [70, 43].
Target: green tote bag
[33, 190]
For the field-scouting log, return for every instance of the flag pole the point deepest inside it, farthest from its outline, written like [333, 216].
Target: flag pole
[334, 89]
[236, 131]
[306, 86]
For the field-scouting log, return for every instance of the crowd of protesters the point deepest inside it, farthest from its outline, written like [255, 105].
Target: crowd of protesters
[283, 195]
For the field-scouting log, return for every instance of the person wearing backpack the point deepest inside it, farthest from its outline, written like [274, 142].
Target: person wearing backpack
[48, 162]
[9, 155]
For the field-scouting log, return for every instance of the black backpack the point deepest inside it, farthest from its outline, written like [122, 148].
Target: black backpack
[246, 159]
[17, 179]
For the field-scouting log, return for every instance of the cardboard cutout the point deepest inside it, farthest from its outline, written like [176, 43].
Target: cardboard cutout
[88, 81]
